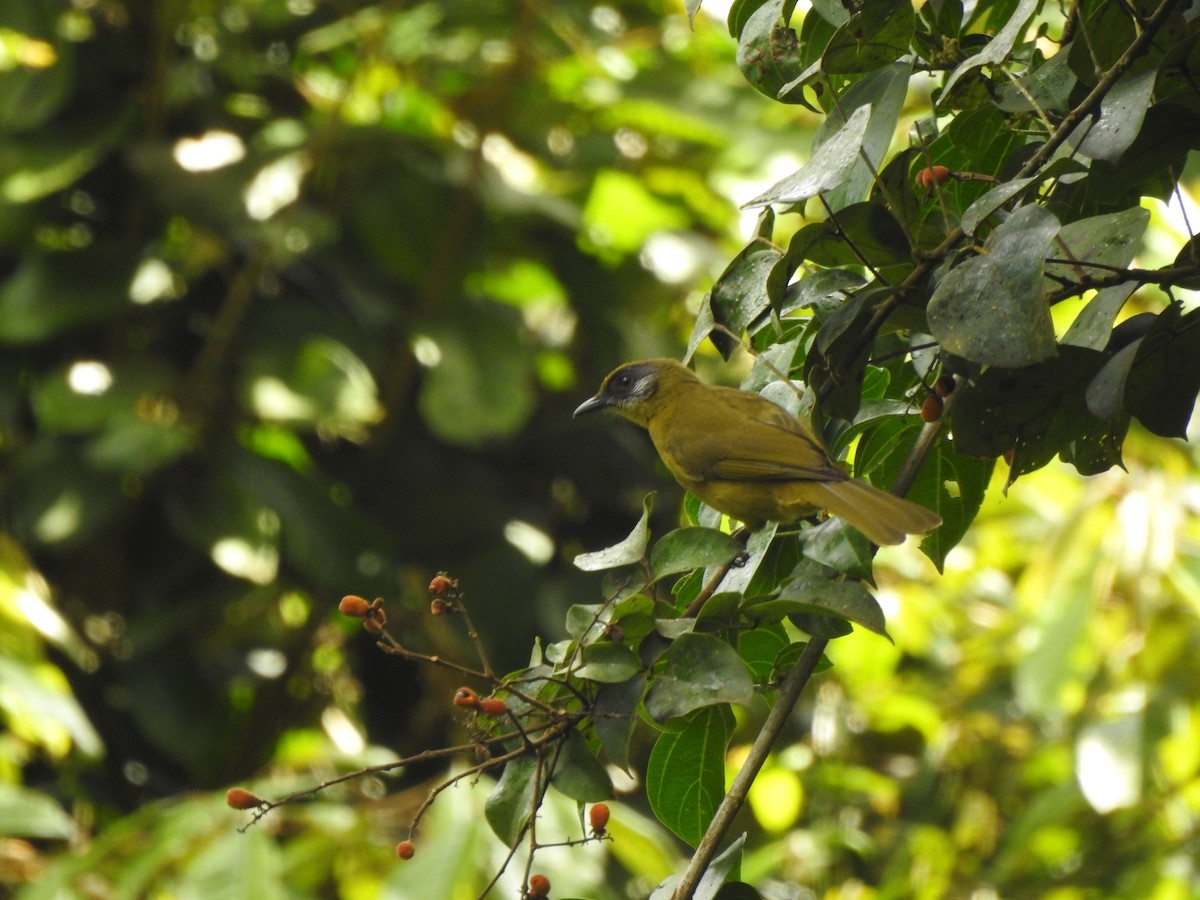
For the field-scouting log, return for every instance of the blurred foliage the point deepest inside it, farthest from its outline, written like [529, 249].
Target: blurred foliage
[296, 299]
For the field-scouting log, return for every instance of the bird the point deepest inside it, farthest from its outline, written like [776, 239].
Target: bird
[747, 457]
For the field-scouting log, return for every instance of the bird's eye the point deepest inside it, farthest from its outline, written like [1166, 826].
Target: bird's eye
[624, 381]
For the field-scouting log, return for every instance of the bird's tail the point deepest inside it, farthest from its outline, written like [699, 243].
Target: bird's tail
[882, 517]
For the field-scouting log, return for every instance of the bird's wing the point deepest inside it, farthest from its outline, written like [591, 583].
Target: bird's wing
[763, 443]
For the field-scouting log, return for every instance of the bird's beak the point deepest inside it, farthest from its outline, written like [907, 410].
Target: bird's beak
[591, 405]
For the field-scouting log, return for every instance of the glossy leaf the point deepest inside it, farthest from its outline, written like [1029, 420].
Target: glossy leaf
[510, 804]
[989, 309]
[828, 167]
[628, 551]
[700, 671]
[690, 548]
[685, 776]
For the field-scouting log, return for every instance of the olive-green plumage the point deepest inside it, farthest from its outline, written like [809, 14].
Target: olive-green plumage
[746, 456]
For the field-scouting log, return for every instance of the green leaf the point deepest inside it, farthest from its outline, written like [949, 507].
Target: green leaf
[828, 167]
[628, 551]
[760, 647]
[997, 48]
[691, 548]
[1165, 377]
[1110, 240]
[510, 804]
[614, 715]
[768, 51]
[847, 600]
[739, 296]
[1092, 328]
[32, 814]
[884, 90]
[701, 670]
[578, 774]
[1109, 134]
[51, 293]
[685, 775]
[878, 32]
[990, 309]
[609, 663]
[1036, 411]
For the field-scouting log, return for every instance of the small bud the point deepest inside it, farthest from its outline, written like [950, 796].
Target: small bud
[539, 886]
[466, 698]
[931, 175]
[493, 707]
[944, 386]
[598, 818]
[439, 607]
[240, 798]
[353, 605]
[442, 584]
[405, 849]
[931, 409]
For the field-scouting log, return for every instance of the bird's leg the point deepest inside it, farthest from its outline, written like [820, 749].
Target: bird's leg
[743, 555]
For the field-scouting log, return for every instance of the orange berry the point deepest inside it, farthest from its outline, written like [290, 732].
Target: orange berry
[353, 605]
[598, 817]
[493, 707]
[931, 175]
[405, 849]
[931, 409]
[539, 886]
[466, 698]
[944, 386]
[442, 584]
[240, 798]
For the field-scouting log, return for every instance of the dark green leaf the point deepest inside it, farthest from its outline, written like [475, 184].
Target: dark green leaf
[739, 296]
[609, 663]
[998, 47]
[510, 803]
[878, 32]
[614, 714]
[690, 548]
[842, 599]
[577, 772]
[700, 670]
[1165, 377]
[990, 309]
[685, 775]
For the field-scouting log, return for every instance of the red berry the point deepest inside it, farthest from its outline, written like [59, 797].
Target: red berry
[405, 849]
[539, 886]
[240, 798]
[598, 817]
[493, 707]
[466, 698]
[353, 605]
[442, 584]
[931, 175]
[931, 409]
[944, 386]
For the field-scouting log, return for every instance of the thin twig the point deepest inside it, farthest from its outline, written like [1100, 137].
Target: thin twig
[789, 692]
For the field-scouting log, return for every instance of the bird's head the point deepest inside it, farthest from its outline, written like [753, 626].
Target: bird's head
[636, 389]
